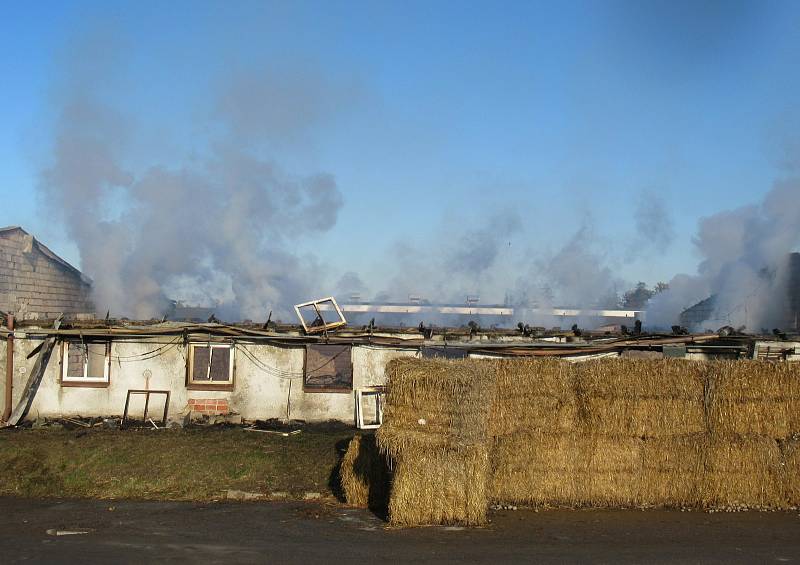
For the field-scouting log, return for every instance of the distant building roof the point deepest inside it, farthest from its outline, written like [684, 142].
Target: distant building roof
[46, 251]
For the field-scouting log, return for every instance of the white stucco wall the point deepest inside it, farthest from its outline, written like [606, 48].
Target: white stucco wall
[261, 389]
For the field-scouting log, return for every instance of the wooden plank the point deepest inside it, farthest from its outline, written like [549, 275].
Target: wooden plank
[32, 386]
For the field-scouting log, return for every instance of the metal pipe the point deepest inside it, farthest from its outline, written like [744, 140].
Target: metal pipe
[9, 366]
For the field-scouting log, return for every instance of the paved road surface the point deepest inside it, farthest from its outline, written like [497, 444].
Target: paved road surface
[293, 532]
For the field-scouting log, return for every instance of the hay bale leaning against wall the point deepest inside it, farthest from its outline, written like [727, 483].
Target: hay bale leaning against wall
[364, 474]
[435, 432]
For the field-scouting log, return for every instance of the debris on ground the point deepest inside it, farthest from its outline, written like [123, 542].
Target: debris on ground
[54, 532]
[232, 494]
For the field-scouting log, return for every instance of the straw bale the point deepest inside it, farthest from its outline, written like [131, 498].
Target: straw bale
[523, 414]
[743, 470]
[790, 450]
[394, 440]
[609, 468]
[440, 487]
[435, 402]
[671, 470]
[754, 397]
[641, 398]
[641, 378]
[643, 417]
[533, 376]
[533, 394]
[535, 468]
[364, 474]
[567, 469]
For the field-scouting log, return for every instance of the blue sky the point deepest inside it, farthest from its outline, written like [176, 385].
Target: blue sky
[432, 114]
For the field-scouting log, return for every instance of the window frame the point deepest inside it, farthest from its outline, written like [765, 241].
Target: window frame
[192, 384]
[328, 389]
[85, 381]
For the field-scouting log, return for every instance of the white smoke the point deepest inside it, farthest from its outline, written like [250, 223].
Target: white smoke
[744, 264]
[221, 226]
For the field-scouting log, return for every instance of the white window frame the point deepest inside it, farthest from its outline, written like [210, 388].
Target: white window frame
[65, 378]
[376, 392]
[207, 382]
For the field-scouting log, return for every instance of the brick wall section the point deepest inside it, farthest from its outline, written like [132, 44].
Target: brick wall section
[35, 286]
[209, 405]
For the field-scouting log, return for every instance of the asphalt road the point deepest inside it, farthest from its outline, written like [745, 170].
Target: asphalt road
[41, 531]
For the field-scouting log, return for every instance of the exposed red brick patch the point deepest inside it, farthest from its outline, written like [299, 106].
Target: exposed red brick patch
[209, 405]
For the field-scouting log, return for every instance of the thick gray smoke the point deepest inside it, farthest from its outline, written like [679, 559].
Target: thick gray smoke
[219, 228]
[744, 264]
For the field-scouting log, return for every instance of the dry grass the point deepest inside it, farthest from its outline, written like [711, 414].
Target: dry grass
[435, 431]
[534, 468]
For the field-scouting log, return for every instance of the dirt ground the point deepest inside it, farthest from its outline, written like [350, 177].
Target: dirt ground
[296, 532]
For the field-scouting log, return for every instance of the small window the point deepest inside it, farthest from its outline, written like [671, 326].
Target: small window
[210, 365]
[85, 363]
[328, 368]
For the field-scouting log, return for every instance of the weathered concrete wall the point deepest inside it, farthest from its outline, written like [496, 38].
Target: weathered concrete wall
[262, 388]
[770, 348]
[36, 286]
[2, 373]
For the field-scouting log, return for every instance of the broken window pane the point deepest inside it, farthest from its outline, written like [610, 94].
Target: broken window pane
[200, 359]
[320, 315]
[75, 358]
[220, 364]
[96, 360]
[328, 367]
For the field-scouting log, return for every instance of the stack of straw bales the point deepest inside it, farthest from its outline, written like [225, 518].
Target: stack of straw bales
[638, 411]
[532, 423]
[435, 432]
[752, 408]
[618, 432]
[577, 434]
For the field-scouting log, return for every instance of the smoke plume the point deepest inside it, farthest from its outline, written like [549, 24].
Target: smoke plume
[221, 226]
[744, 264]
